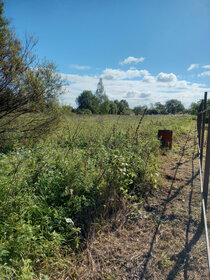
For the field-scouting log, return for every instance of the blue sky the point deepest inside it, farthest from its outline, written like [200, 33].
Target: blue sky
[145, 50]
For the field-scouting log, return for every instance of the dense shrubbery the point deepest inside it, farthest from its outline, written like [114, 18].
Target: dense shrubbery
[51, 192]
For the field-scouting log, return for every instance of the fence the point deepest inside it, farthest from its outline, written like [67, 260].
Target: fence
[203, 111]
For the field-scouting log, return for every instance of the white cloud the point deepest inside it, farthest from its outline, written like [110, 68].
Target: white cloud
[136, 91]
[192, 66]
[166, 78]
[206, 66]
[117, 74]
[80, 67]
[181, 85]
[148, 79]
[204, 74]
[132, 59]
[136, 95]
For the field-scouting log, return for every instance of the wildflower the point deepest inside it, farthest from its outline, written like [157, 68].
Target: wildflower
[69, 221]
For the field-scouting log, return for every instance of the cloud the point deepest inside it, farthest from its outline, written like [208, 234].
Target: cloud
[117, 74]
[166, 78]
[144, 95]
[206, 66]
[192, 66]
[131, 94]
[135, 90]
[136, 95]
[132, 59]
[148, 79]
[80, 67]
[181, 84]
[204, 74]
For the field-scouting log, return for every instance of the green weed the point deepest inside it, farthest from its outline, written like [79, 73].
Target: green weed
[52, 190]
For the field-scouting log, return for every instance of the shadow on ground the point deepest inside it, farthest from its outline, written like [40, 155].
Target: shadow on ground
[181, 258]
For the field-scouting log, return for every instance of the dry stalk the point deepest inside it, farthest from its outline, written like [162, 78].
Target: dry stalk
[138, 126]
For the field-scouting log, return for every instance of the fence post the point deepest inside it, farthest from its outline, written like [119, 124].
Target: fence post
[203, 127]
[207, 166]
[199, 120]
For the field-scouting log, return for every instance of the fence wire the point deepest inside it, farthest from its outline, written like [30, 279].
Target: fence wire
[204, 172]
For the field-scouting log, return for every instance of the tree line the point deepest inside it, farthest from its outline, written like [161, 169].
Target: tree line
[99, 103]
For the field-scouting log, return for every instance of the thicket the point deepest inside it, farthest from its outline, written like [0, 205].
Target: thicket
[52, 191]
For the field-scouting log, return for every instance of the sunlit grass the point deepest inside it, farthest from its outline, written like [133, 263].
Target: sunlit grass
[53, 188]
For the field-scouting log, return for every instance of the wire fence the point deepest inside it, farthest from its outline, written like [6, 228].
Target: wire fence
[204, 164]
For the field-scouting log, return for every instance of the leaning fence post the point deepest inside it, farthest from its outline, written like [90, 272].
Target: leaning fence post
[203, 126]
[207, 166]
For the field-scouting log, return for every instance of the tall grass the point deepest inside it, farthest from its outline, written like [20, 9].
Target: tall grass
[51, 191]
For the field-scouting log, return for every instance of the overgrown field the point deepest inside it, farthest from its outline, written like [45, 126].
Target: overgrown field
[52, 191]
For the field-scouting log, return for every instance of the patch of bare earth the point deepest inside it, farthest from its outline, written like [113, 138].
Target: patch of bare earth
[161, 239]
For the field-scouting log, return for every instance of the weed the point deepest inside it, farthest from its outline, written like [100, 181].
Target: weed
[51, 191]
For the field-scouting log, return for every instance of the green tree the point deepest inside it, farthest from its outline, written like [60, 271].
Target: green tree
[125, 103]
[138, 110]
[87, 100]
[112, 108]
[174, 106]
[16, 78]
[193, 110]
[52, 83]
[122, 106]
[102, 98]
[105, 107]
[161, 109]
[195, 106]
[25, 86]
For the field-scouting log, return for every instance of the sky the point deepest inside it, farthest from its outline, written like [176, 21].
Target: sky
[146, 51]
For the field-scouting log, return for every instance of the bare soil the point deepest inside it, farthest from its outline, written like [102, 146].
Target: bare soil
[161, 239]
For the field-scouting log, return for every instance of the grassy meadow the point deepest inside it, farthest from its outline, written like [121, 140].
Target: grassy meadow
[54, 188]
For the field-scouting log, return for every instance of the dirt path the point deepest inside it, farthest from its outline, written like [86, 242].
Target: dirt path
[161, 240]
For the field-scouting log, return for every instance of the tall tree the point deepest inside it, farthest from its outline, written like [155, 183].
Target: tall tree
[100, 92]
[100, 88]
